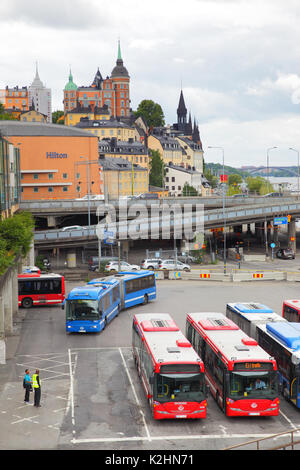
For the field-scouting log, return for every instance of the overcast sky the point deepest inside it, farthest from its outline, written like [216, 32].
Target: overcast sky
[238, 62]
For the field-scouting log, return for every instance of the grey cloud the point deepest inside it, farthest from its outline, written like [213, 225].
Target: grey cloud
[55, 14]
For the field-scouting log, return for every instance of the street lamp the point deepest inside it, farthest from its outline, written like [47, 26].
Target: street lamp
[88, 188]
[268, 176]
[297, 169]
[224, 220]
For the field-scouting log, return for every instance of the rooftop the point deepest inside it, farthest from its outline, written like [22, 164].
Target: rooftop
[21, 128]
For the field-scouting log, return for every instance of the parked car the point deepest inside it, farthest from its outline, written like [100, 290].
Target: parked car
[93, 197]
[148, 196]
[273, 195]
[171, 264]
[152, 263]
[114, 266]
[94, 262]
[285, 253]
[71, 227]
[187, 259]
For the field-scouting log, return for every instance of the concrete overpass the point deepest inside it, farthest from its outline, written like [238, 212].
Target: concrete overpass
[260, 213]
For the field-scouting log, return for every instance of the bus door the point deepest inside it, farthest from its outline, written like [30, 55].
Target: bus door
[294, 390]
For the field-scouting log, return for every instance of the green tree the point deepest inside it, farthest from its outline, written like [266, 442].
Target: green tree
[151, 112]
[157, 169]
[258, 185]
[56, 115]
[189, 190]
[4, 116]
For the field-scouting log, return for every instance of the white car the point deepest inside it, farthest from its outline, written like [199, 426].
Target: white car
[114, 266]
[93, 197]
[71, 227]
[171, 264]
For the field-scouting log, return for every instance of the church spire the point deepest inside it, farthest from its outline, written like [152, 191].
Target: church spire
[181, 110]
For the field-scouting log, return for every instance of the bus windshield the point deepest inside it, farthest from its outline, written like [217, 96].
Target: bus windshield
[179, 387]
[82, 310]
[253, 384]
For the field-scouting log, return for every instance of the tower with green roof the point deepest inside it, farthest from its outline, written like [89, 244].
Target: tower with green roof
[70, 94]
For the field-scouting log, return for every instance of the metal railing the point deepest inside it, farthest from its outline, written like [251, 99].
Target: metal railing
[257, 443]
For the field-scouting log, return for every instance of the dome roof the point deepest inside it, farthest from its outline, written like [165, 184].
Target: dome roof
[70, 85]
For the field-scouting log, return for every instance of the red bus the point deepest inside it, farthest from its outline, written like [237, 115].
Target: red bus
[171, 372]
[291, 310]
[40, 289]
[241, 376]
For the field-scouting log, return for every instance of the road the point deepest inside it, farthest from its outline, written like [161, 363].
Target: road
[91, 395]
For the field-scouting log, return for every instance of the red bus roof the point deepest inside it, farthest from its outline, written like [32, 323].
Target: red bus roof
[164, 341]
[227, 339]
[293, 303]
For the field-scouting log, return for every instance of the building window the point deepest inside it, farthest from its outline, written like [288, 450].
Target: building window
[35, 189]
[65, 189]
[50, 189]
[35, 176]
[65, 175]
[77, 175]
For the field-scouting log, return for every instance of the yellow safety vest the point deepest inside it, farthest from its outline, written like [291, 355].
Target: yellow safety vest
[35, 382]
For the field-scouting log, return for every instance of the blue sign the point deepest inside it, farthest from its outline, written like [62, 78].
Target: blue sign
[109, 237]
[280, 220]
[272, 245]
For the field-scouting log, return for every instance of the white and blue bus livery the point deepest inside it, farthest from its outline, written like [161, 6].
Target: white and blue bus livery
[89, 308]
[282, 341]
[136, 287]
[247, 315]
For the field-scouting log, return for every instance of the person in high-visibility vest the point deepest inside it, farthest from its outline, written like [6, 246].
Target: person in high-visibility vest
[36, 383]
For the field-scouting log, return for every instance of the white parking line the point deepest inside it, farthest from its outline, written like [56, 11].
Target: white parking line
[135, 395]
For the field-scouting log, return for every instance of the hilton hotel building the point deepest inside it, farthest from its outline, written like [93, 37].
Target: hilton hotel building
[56, 161]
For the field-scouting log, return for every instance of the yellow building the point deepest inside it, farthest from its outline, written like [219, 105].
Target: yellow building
[168, 147]
[134, 152]
[192, 153]
[33, 116]
[107, 129]
[73, 117]
[122, 178]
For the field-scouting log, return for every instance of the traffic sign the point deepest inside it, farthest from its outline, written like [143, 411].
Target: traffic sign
[280, 220]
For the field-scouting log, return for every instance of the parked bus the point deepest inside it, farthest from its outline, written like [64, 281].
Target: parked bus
[40, 289]
[248, 315]
[242, 377]
[171, 372]
[291, 310]
[136, 287]
[282, 341]
[91, 307]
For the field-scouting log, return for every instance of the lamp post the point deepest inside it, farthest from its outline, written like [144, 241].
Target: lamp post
[224, 220]
[297, 151]
[268, 176]
[88, 188]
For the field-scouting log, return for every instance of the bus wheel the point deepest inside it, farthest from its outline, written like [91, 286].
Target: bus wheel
[27, 303]
[145, 299]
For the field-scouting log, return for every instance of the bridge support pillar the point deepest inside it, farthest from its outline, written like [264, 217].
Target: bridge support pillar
[51, 221]
[71, 259]
[292, 235]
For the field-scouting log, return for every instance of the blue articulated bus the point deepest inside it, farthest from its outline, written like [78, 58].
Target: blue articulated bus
[89, 308]
[282, 341]
[136, 287]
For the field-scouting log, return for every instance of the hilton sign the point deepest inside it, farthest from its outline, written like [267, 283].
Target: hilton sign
[56, 155]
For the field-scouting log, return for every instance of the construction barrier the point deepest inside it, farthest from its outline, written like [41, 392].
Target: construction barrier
[233, 276]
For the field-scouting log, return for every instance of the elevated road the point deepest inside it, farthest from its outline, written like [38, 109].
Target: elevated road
[146, 227]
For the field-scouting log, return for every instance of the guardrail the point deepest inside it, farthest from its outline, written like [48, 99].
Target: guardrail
[210, 218]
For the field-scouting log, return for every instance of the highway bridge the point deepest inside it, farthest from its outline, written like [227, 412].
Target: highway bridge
[250, 210]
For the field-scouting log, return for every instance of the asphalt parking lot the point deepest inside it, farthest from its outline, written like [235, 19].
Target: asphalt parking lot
[92, 397]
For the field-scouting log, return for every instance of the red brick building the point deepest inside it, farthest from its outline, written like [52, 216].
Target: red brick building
[113, 91]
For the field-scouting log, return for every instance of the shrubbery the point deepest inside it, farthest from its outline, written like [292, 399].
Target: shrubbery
[16, 235]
